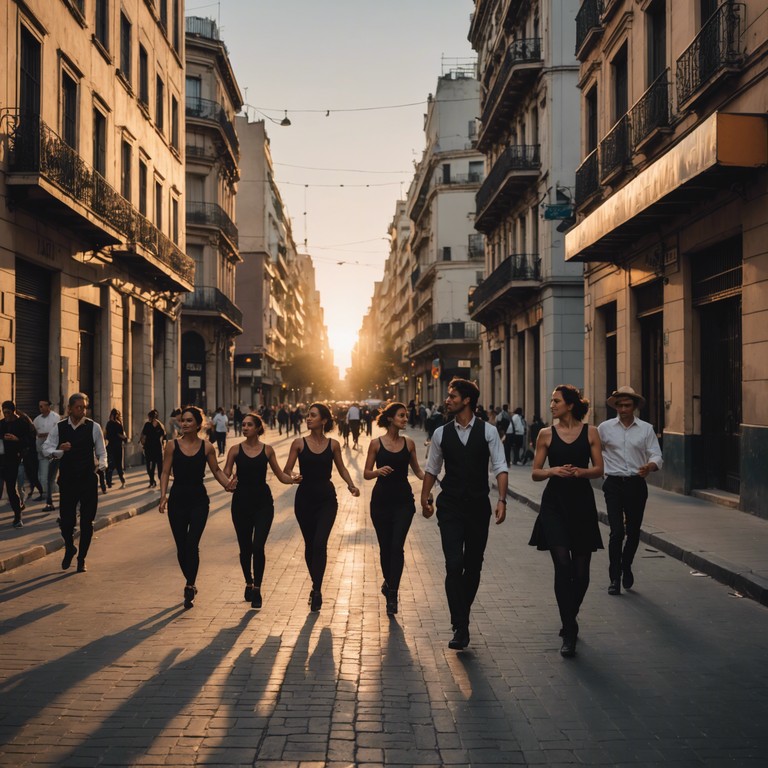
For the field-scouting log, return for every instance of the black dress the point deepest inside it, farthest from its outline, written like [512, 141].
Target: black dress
[392, 510]
[568, 516]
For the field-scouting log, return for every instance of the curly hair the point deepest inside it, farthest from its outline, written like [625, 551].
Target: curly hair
[572, 396]
[386, 416]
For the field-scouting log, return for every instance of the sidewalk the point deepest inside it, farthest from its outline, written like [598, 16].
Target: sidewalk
[726, 544]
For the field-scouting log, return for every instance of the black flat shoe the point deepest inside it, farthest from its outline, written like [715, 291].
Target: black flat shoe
[189, 596]
[568, 649]
[628, 578]
[460, 639]
[256, 598]
[248, 592]
[81, 567]
[614, 588]
[391, 602]
[317, 601]
[69, 554]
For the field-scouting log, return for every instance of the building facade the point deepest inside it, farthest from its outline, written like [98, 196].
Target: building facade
[672, 224]
[530, 301]
[92, 252]
[210, 318]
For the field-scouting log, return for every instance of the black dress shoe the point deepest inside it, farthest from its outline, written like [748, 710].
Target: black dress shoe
[189, 596]
[628, 578]
[568, 649]
[391, 602]
[69, 554]
[256, 598]
[81, 568]
[248, 592]
[614, 588]
[317, 601]
[460, 639]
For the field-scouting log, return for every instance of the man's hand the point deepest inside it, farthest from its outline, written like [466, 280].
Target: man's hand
[65, 447]
[646, 469]
[427, 507]
[501, 512]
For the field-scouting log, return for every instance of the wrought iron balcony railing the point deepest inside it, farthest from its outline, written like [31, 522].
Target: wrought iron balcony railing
[615, 148]
[35, 148]
[208, 298]
[514, 269]
[588, 20]
[518, 157]
[714, 51]
[441, 332]
[213, 112]
[212, 215]
[587, 177]
[651, 111]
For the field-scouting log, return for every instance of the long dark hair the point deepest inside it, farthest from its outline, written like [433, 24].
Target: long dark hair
[572, 396]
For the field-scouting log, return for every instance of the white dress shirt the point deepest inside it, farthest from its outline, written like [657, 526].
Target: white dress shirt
[51, 444]
[43, 426]
[220, 423]
[496, 449]
[626, 449]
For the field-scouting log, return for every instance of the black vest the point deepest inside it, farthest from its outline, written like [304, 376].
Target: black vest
[466, 466]
[79, 460]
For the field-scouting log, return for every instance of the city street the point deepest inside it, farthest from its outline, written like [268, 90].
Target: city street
[107, 668]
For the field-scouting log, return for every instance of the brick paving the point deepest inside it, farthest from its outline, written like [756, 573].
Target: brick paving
[107, 669]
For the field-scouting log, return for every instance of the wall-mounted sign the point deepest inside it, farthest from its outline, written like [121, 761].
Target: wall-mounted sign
[558, 211]
[194, 382]
[464, 364]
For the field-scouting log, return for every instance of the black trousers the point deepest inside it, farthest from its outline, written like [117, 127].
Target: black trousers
[464, 534]
[82, 490]
[10, 470]
[115, 462]
[625, 503]
[516, 444]
[316, 518]
[252, 519]
[392, 522]
[188, 515]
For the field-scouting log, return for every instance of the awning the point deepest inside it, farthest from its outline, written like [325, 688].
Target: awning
[695, 168]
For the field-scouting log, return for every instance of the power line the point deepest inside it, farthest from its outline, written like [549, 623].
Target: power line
[309, 186]
[342, 170]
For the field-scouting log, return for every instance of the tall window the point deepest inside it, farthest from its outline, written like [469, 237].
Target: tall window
[620, 84]
[69, 110]
[174, 122]
[29, 75]
[158, 205]
[101, 30]
[657, 39]
[125, 169]
[164, 14]
[143, 76]
[177, 22]
[608, 318]
[591, 114]
[99, 142]
[175, 220]
[125, 47]
[194, 92]
[160, 104]
[143, 180]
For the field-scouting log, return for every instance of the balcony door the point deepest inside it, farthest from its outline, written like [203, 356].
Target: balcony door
[193, 369]
[33, 309]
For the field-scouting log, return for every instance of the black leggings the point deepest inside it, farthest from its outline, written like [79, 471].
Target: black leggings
[252, 520]
[154, 462]
[316, 518]
[571, 581]
[392, 523]
[188, 516]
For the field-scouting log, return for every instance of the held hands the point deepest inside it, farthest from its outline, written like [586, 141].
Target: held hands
[231, 485]
[296, 478]
[354, 490]
[428, 507]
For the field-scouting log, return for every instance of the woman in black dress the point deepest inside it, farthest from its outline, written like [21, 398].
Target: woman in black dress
[114, 434]
[152, 439]
[392, 505]
[252, 507]
[567, 523]
[316, 503]
[188, 500]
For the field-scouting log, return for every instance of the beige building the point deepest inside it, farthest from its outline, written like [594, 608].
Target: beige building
[210, 318]
[672, 225]
[92, 252]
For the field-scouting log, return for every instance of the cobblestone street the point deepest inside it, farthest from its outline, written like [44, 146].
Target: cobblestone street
[106, 668]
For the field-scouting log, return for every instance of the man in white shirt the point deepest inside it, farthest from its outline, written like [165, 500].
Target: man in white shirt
[630, 452]
[47, 467]
[353, 419]
[466, 444]
[220, 427]
[516, 437]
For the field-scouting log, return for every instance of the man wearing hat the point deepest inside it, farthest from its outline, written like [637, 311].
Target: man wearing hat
[630, 451]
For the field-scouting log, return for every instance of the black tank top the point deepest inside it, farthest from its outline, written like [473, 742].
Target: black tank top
[316, 469]
[188, 471]
[396, 485]
[252, 473]
[577, 453]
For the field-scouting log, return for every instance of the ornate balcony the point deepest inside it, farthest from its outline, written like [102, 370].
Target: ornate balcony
[714, 54]
[651, 113]
[209, 300]
[587, 178]
[211, 113]
[443, 333]
[522, 64]
[515, 276]
[51, 180]
[517, 167]
[615, 150]
[214, 216]
[589, 26]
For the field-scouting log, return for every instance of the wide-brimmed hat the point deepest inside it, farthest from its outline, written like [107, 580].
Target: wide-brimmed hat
[623, 392]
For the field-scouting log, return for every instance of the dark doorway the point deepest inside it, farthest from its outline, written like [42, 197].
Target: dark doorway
[88, 323]
[193, 370]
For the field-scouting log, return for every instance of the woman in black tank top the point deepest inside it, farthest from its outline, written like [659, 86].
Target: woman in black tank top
[567, 522]
[316, 503]
[392, 506]
[252, 507]
[188, 501]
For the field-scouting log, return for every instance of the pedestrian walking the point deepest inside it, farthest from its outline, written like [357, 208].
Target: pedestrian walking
[297, 417]
[78, 443]
[283, 417]
[516, 437]
[152, 439]
[630, 453]
[172, 428]
[316, 504]
[29, 469]
[253, 509]
[114, 434]
[353, 421]
[567, 522]
[392, 505]
[47, 468]
[188, 503]
[15, 437]
[220, 426]
[237, 420]
[466, 445]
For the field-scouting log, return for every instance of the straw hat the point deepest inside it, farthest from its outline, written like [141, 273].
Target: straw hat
[623, 392]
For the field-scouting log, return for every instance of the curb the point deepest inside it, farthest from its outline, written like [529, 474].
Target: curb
[31, 554]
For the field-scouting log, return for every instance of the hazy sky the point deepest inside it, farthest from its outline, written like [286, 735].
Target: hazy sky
[310, 56]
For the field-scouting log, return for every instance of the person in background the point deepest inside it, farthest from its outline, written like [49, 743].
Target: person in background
[353, 421]
[152, 439]
[47, 468]
[172, 428]
[237, 420]
[15, 436]
[29, 468]
[79, 444]
[114, 434]
[516, 436]
[220, 427]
